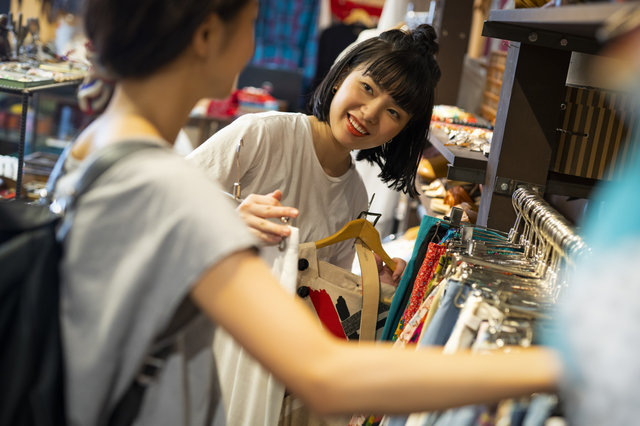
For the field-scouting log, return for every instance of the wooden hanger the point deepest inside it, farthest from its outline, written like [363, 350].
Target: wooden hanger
[359, 16]
[365, 231]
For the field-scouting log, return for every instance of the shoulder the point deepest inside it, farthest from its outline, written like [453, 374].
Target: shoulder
[154, 177]
[157, 191]
[268, 119]
[258, 128]
[277, 122]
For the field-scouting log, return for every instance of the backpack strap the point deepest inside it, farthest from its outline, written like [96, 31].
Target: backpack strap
[90, 170]
[128, 407]
[56, 173]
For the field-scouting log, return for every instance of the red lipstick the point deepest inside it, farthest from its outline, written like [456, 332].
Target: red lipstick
[352, 129]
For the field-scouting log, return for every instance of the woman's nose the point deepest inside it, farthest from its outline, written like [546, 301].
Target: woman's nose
[371, 111]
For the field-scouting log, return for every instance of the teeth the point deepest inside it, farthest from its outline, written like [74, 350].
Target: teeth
[357, 127]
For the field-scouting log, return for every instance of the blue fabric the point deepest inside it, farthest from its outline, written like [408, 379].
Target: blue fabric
[451, 234]
[445, 318]
[287, 36]
[540, 409]
[518, 413]
[398, 420]
[463, 416]
[396, 311]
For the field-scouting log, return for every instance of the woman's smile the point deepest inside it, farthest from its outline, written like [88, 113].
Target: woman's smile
[355, 127]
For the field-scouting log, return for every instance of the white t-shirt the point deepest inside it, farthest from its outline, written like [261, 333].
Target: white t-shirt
[278, 153]
[141, 238]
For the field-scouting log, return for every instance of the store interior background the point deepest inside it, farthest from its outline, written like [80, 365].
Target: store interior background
[289, 61]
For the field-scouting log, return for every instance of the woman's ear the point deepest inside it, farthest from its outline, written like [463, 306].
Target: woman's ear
[208, 38]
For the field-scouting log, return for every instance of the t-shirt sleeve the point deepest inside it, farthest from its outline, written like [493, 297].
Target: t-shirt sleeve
[217, 155]
[141, 239]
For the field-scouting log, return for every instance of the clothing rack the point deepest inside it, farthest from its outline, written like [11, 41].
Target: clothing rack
[479, 289]
[547, 223]
[546, 236]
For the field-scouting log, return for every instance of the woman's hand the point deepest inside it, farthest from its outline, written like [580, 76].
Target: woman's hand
[256, 209]
[388, 276]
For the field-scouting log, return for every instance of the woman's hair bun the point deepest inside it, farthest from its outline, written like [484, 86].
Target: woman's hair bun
[424, 38]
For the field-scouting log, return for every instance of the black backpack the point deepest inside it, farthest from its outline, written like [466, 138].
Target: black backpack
[31, 359]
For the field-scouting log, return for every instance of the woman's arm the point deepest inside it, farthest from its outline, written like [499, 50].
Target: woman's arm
[335, 376]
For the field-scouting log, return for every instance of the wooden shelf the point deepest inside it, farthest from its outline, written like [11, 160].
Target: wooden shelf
[571, 28]
[534, 83]
[572, 20]
[464, 164]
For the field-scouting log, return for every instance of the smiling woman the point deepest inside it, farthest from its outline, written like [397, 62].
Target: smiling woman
[377, 99]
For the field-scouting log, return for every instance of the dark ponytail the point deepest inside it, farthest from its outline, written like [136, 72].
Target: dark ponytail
[403, 64]
[134, 38]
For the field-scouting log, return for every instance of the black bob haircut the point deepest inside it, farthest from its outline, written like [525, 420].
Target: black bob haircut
[402, 64]
[135, 38]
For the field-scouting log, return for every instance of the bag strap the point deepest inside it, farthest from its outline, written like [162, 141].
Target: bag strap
[370, 292]
[90, 170]
[128, 407]
[103, 160]
[56, 174]
[107, 157]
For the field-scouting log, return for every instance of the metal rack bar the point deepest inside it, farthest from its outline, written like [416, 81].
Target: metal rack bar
[26, 93]
[21, 146]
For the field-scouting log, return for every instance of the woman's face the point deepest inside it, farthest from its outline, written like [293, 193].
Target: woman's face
[362, 115]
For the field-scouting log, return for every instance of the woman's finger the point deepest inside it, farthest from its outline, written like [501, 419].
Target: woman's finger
[268, 211]
[267, 207]
[400, 267]
[266, 226]
[266, 238]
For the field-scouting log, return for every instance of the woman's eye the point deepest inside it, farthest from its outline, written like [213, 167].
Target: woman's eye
[367, 87]
[394, 113]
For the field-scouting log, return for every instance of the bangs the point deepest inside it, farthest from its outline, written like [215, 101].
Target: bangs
[403, 77]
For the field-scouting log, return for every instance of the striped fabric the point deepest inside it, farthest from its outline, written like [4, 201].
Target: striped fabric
[599, 133]
[287, 36]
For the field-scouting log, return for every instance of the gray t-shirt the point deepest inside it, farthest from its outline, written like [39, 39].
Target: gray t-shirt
[141, 238]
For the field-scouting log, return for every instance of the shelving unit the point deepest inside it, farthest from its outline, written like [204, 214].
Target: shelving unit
[533, 90]
[26, 94]
[464, 165]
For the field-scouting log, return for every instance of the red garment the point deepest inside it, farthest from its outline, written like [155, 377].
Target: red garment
[428, 268]
[342, 8]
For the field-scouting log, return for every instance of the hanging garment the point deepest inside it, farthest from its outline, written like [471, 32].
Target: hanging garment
[332, 42]
[414, 324]
[444, 320]
[437, 332]
[348, 306]
[426, 233]
[420, 286]
[540, 409]
[435, 305]
[286, 36]
[252, 396]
